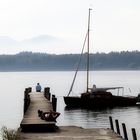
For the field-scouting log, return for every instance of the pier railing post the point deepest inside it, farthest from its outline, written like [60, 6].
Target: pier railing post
[54, 102]
[25, 101]
[111, 123]
[117, 126]
[29, 89]
[134, 134]
[27, 98]
[47, 93]
[124, 131]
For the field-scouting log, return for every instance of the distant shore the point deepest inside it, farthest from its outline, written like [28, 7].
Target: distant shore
[59, 70]
[28, 61]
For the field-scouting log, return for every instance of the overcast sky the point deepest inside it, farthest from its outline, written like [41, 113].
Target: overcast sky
[115, 24]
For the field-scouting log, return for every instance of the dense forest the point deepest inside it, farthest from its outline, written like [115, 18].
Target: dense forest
[28, 61]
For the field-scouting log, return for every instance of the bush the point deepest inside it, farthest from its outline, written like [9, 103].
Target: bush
[9, 134]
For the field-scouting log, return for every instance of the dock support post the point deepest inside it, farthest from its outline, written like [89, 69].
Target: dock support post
[54, 102]
[25, 101]
[29, 89]
[27, 98]
[47, 93]
[111, 123]
[117, 126]
[124, 131]
[134, 134]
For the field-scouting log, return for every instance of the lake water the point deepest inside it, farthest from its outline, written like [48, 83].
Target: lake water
[12, 85]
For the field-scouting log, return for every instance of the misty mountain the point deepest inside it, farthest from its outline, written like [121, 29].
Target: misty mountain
[42, 43]
[37, 39]
[41, 39]
[5, 40]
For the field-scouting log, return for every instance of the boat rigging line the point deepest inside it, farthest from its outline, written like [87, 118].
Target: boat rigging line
[78, 64]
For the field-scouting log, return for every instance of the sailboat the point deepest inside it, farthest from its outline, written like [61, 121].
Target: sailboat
[96, 97]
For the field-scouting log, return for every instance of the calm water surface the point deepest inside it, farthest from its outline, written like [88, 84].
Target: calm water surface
[12, 85]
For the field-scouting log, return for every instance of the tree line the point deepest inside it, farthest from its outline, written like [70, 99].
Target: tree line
[29, 61]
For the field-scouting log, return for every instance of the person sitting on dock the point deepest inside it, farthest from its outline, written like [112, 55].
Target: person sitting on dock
[38, 88]
[48, 116]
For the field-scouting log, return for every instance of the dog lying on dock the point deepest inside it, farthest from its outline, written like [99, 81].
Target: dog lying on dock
[48, 116]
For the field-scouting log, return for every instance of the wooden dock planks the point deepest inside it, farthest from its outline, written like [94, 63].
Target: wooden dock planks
[31, 121]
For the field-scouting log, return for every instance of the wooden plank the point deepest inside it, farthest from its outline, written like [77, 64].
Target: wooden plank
[31, 120]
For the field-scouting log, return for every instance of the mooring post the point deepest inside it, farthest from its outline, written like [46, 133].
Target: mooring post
[24, 104]
[54, 102]
[134, 134]
[29, 89]
[27, 98]
[124, 131]
[117, 126]
[47, 93]
[111, 123]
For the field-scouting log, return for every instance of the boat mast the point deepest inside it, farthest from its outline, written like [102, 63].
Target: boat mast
[88, 51]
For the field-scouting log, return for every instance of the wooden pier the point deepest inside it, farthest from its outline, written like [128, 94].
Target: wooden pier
[33, 102]
[32, 126]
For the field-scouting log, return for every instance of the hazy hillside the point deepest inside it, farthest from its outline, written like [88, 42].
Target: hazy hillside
[28, 61]
[40, 43]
